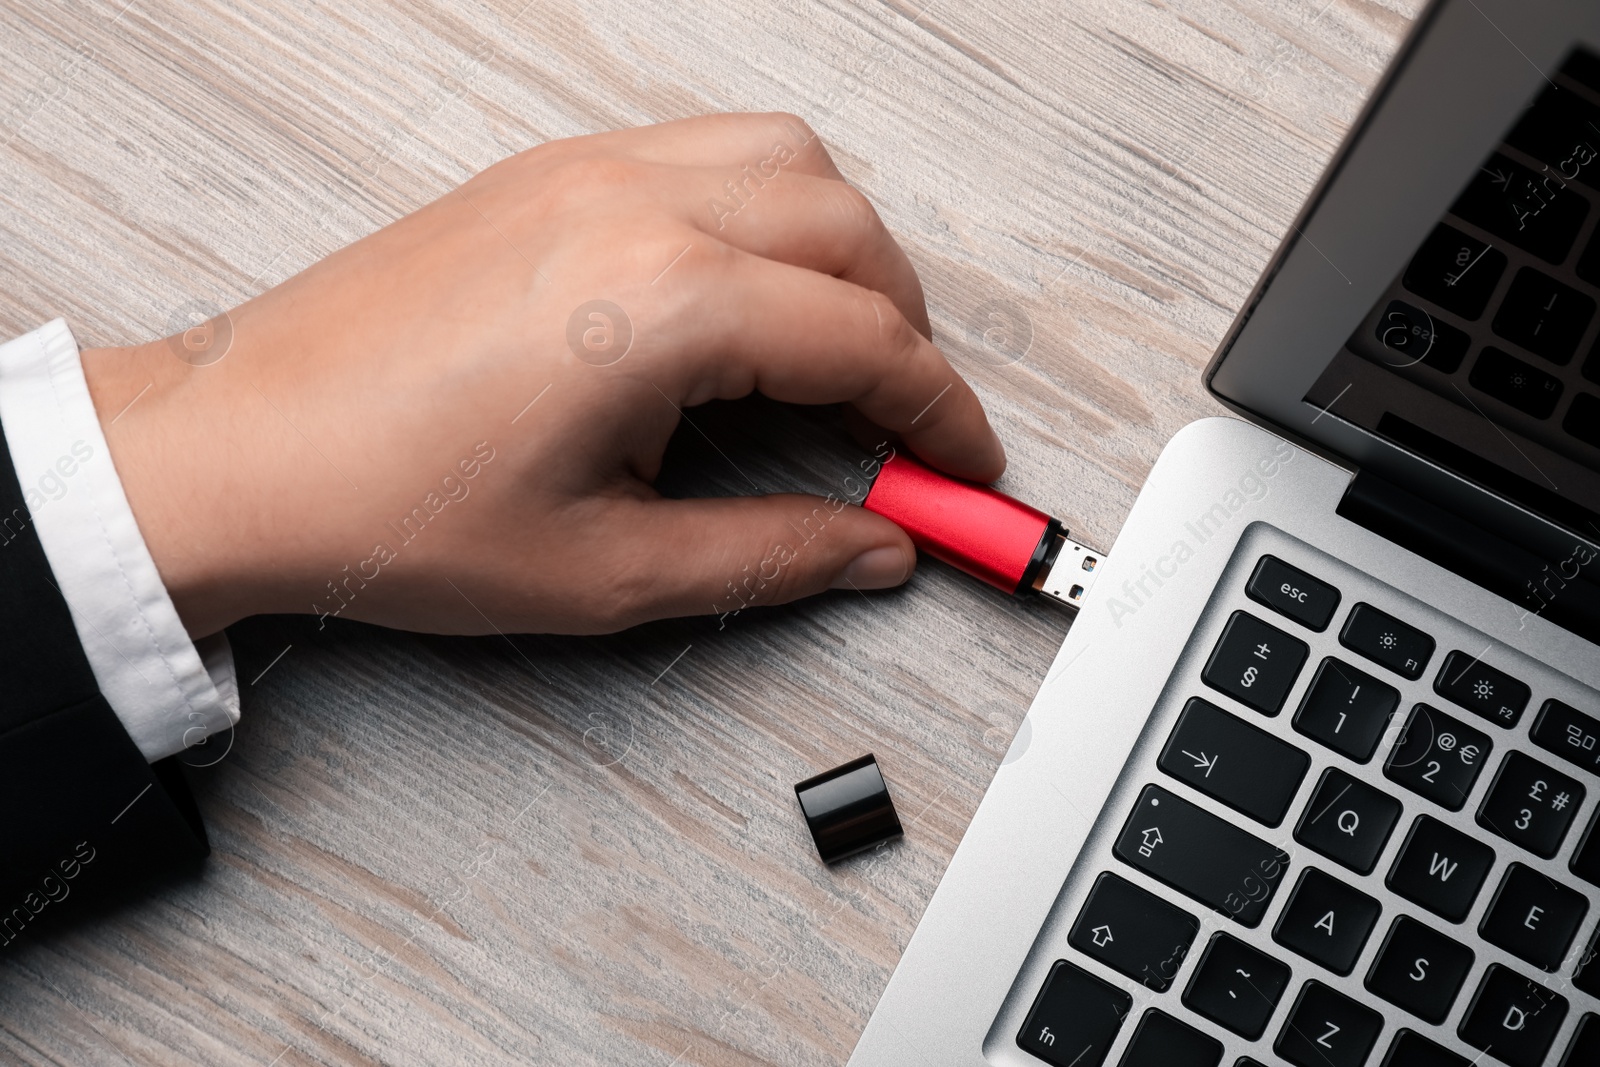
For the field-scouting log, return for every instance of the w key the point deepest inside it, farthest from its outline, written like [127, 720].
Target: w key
[1225, 757]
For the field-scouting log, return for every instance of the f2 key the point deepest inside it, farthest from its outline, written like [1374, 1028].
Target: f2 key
[1478, 687]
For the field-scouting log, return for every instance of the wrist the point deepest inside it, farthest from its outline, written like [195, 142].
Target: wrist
[154, 444]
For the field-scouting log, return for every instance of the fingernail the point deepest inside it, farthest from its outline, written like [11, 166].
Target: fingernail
[876, 568]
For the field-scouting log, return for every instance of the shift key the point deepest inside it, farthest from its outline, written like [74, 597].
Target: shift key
[1198, 854]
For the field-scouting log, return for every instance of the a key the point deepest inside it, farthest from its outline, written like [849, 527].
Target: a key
[1328, 1029]
[1200, 855]
[1514, 1018]
[1225, 757]
[1531, 209]
[1584, 1051]
[1455, 271]
[1162, 1041]
[1419, 970]
[1562, 130]
[1533, 918]
[1327, 921]
[1134, 932]
[1414, 336]
[1543, 316]
[1515, 382]
[1530, 804]
[1411, 1049]
[1254, 663]
[1438, 756]
[1348, 821]
[1384, 639]
[1440, 869]
[1567, 732]
[1292, 592]
[1235, 986]
[1474, 685]
[1075, 1019]
[1346, 709]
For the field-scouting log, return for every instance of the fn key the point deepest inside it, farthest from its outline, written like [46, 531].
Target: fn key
[1075, 1020]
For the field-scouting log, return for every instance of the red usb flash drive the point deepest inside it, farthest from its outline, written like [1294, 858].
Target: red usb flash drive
[983, 532]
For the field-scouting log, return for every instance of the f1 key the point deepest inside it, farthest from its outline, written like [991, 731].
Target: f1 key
[1385, 639]
[1197, 853]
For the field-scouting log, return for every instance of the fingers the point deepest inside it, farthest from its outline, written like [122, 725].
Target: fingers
[822, 225]
[807, 338]
[730, 141]
[697, 557]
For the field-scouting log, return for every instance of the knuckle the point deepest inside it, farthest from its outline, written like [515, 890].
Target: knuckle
[565, 181]
[854, 208]
[789, 122]
[895, 334]
[621, 595]
[597, 174]
[519, 164]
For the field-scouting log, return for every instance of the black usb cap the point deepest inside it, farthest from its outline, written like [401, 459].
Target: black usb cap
[848, 809]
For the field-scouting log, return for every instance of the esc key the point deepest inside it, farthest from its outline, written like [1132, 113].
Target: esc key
[1292, 592]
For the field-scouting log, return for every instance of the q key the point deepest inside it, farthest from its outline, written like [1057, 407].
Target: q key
[1348, 821]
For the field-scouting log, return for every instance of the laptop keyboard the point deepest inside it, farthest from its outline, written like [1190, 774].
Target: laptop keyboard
[1361, 874]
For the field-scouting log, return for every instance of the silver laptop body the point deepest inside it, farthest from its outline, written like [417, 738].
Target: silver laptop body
[1313, 779]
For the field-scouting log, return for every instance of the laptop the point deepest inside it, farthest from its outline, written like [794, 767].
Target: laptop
[1315, 777]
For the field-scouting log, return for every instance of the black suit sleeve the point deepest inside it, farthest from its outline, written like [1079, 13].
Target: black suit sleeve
[81, 812]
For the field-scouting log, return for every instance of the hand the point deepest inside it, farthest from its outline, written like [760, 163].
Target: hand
[365, 446]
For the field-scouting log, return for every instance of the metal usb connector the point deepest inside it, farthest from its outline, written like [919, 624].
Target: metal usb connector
[1068, 572]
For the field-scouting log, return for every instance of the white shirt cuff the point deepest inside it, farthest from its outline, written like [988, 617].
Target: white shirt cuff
[170, 692]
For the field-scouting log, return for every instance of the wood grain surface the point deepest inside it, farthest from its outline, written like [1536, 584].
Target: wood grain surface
[570, 851]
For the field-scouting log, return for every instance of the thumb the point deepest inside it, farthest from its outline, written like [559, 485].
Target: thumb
[725, 555]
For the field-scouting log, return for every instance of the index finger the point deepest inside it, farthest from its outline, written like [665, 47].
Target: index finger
[808, 338]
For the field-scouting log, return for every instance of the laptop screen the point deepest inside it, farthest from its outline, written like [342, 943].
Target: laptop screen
[1433, 315]
[1482, 354]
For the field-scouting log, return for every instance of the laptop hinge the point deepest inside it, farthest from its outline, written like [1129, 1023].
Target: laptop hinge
[1561, 590]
